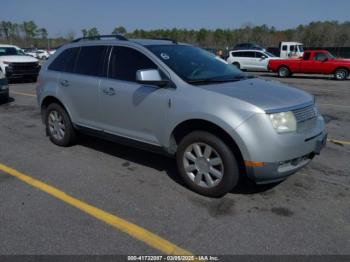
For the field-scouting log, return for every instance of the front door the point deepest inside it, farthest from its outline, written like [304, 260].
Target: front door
[130, 109]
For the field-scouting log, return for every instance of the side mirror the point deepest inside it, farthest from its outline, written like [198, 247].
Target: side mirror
[150, 77]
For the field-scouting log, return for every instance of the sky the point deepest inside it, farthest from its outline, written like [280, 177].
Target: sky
[61, 16]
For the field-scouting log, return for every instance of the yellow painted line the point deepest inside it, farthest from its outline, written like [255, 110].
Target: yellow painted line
[129, 228]
[22, 94]
[339, 141]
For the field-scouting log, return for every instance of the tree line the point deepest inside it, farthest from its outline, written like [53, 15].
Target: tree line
[314, 34]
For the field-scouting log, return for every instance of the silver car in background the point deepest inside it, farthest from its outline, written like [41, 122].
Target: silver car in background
[171, 97]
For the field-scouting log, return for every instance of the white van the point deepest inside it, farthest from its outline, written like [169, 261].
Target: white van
[253, 60]
[291, 50]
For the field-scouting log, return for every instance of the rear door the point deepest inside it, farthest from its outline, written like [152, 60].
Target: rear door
[247, 59]
[79, 88]
[130, 109]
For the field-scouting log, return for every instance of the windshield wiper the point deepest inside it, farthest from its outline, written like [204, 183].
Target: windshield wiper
[218, 80]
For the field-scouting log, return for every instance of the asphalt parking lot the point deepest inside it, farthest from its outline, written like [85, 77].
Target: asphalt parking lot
[307, 214]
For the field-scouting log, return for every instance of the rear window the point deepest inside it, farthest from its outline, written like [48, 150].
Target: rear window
[307, 56]
[65, 61]
[91, 61]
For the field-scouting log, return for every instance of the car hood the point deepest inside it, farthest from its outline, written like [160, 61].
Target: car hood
[18, 59]
[267, 95]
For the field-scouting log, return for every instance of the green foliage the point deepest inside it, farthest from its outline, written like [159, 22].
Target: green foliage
[90, 32]
[119, 30]
[316, 34]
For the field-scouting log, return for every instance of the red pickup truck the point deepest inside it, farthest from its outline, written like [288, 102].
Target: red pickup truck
[312, 62]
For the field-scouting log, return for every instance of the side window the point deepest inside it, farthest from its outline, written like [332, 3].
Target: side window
[259, 55]
[320, 57]
[250, 54]
[91, 60]
[125, 62]
[234, 54]
[284, 48]
[306, 56]
[292, 48]
[65, 61]
[242, 54]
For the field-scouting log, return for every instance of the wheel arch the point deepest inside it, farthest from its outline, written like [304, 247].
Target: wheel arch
[46, 102]
[341, 67]
[188, 126]
[283, 65]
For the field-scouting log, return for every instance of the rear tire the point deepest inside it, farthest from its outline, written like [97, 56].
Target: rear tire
[237, 65]
[283, 72]
[341, 74]
[58, 126]
[206, 164]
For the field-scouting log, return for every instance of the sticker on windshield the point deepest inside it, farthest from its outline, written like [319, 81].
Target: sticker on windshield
[165, 56]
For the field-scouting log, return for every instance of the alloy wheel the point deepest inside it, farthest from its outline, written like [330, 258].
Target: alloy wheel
[56, 125]
[203, 165]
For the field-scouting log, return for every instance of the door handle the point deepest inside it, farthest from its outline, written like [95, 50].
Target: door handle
[64, 83]
[108, 91]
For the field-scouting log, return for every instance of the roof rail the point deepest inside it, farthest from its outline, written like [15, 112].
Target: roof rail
[164, 38]
[98, 37]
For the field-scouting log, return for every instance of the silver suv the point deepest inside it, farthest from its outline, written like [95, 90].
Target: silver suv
[171, 97]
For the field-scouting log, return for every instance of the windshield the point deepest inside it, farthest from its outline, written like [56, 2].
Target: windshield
[9, 51]
[301, 48]
[195, 65]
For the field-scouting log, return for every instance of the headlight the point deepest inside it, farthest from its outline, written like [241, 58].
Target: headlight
[283, 122]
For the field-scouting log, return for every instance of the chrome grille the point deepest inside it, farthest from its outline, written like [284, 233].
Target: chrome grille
[305, 113]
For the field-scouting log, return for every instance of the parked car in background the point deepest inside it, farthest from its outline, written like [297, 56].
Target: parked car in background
[248, 46]
[15, 64]
[218, 123]
[312, 62]
[250, 60]
[4, 89]
[291, 50]
[39, 54]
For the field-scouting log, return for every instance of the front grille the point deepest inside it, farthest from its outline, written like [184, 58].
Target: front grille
[305, 113]
[22, 69]
[24, 66]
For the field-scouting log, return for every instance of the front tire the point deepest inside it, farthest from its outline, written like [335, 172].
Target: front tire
[58, 126]
[283, 72]
[341, 74]
[206, 164]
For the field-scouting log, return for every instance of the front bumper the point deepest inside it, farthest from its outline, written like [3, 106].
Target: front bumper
[272, 172]
[271, 157]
